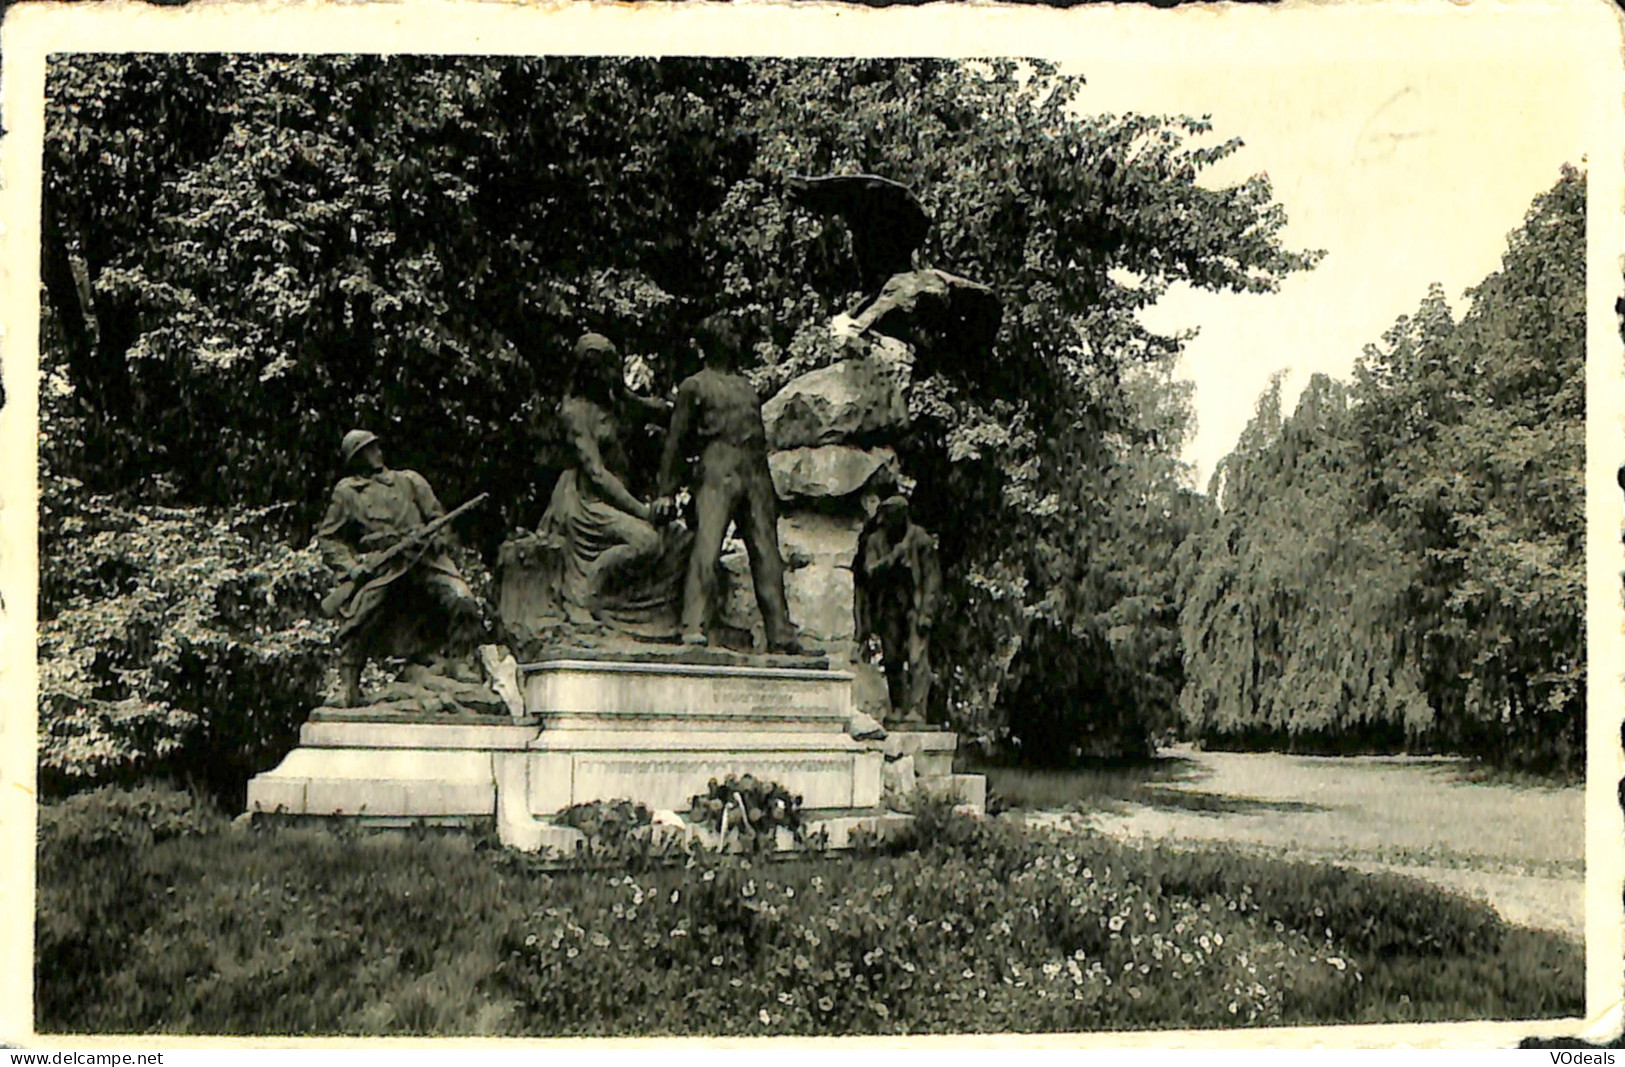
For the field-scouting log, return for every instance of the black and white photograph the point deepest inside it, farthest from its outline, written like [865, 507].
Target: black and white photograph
[809, 521]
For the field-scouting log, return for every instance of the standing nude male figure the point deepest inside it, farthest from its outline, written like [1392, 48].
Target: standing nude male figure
[718, 414]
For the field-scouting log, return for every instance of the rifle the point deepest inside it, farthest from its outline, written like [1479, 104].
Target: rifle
[418, 538]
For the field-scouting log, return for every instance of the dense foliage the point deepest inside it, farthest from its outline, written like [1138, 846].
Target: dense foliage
[174, 641]
[1403, 559]
[245, 255]
[154, 917]
[1097, 674]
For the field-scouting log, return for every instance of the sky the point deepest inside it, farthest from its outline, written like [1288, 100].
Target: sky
[1407, 157]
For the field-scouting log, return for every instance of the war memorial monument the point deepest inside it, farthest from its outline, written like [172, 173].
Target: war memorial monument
[636, 651]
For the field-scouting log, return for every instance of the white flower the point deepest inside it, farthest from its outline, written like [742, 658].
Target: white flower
[764, 1017]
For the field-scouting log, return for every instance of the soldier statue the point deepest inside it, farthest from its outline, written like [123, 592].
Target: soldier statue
[897, 584]
[399, 592]
[718, 417]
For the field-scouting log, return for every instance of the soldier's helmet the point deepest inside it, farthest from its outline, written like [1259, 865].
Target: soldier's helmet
[354, 442]
[594, 344]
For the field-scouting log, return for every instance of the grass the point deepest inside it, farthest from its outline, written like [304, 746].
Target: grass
[154, 917]
[1520, 847]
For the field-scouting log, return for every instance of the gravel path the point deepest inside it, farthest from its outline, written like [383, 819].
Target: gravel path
[1520, 847]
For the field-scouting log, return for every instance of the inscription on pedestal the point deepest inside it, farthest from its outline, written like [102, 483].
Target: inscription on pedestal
[615, 691]
[763, 696]
[671, 781]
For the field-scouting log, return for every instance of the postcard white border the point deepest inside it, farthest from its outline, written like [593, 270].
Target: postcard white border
[1587, 30]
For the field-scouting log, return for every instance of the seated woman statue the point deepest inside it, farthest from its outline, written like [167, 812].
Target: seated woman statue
[597, 558]
[605, 528]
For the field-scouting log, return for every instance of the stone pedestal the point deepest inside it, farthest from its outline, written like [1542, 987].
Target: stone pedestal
[653, 727]
[658, 732]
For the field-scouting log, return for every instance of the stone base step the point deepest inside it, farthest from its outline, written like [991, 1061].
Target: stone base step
[714, 722]
[823, 830]
[483, 733]
[377, 781]
[663, 771]
[969, 791]
[933, 750]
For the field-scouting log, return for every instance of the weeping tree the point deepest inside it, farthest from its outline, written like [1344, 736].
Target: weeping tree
[1402, 562]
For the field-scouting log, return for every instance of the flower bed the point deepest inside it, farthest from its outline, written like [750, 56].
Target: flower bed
[970, 925]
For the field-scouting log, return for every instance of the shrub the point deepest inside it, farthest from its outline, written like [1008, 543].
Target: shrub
[288, 931]
[94, 899]
[616, 835]
[172, 641]
[1068, 700]
[920, 942]
[1378, 916]
[88, 825]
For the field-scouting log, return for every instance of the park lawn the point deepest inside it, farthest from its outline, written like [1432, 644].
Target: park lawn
[1397, 810]
[154, 917]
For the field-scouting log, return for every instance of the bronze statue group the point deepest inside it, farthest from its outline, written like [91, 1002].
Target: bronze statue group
[386, 534]
[603, 558]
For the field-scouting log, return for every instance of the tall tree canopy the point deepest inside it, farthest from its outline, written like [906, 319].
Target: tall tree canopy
[245, 255]
[1405, 555]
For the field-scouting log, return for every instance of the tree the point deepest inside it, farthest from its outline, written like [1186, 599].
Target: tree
[1402, 561]
[303, 244]
[1482, 426]
[1293, 599]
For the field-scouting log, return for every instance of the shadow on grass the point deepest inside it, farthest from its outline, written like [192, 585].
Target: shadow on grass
[1478, 773]
[1215, 804]
[1159, 783]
